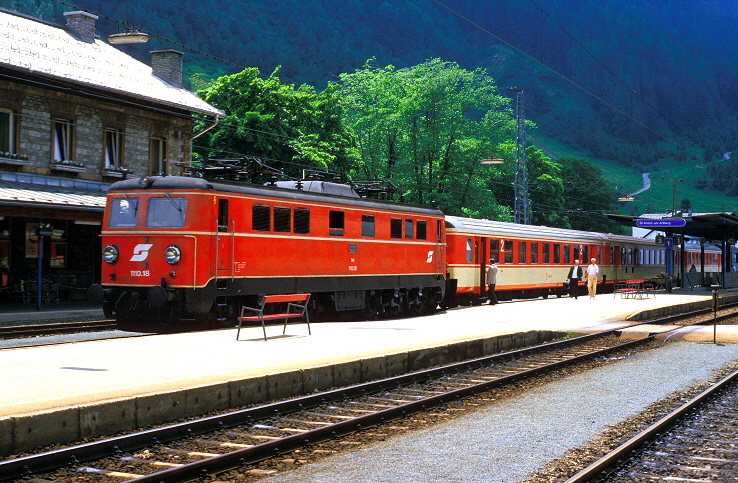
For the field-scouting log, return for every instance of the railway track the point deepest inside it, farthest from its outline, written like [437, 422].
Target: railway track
[187, 451]
[37, 330]
[695, 442]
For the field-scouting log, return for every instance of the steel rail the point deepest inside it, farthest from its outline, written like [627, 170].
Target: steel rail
[605, 465]
[32, 330]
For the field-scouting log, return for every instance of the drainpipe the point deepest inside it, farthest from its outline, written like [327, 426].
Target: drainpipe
[200, 134]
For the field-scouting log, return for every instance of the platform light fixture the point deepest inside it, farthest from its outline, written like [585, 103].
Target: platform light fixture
[626, 198]
[130, 36]
[492, 161]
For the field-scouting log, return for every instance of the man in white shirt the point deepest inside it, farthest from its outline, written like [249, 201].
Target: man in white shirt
[592, 271]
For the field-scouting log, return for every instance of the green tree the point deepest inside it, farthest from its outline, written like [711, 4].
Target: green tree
[426, 128]
[288, 127]
[587, 197]
[545, 190]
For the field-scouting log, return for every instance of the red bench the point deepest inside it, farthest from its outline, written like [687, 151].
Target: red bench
[636, 287]
[296, 309]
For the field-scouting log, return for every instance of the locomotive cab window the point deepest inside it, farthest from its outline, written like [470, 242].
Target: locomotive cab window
[335, 223]
[367, 225]
[395, 228]
[420, 230]
[282, 218]
[123, 213]
[223, 215]
[301, 221]
[408, 228]
[261, 218]
[166, 212]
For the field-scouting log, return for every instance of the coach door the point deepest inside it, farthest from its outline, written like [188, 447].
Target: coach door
[225, 241]
[483, 252]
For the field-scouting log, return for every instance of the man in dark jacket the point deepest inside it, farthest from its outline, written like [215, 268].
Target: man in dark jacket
[573, 278]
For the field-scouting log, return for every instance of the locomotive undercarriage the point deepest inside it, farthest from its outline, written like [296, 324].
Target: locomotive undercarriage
[219, 303]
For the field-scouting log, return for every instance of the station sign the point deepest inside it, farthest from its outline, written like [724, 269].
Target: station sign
[668, 243]
[661, 223]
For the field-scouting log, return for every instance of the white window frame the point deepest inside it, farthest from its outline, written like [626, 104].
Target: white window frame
[62, 130]
[113, 138]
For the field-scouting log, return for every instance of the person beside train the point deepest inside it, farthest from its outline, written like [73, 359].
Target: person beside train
[575, 275]
[592, 272]
[492, 281]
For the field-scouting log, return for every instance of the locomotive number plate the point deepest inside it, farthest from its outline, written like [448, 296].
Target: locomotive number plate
[140, 273]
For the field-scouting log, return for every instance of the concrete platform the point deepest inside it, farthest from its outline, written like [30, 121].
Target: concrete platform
[65, 392]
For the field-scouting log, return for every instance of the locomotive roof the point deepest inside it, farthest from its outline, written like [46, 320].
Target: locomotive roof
[319, 193]
[504, 228]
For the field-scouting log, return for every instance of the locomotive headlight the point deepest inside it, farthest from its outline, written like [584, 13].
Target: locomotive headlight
[110, 254]
[172, 254]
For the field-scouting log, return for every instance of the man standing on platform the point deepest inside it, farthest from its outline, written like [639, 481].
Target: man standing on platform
[492, 281]
[592, 272]
[575, 275]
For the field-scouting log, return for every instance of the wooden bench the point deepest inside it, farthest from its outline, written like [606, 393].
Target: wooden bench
[297, 305]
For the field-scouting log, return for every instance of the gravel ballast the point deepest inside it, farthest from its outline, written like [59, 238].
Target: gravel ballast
[507, 441]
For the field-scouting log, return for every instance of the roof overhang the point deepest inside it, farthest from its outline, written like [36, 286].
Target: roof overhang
[712, 226]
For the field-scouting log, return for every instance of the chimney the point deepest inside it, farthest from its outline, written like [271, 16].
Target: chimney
[167, 65]
[82, 24]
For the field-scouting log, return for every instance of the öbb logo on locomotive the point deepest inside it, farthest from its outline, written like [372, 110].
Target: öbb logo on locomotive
[141, 252]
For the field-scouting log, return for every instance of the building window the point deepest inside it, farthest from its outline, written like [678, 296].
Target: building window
[7, 132]
[113, 148]
[63, 136]
[158, 156]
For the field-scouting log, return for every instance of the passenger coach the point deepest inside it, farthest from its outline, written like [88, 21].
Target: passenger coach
[534, 260]
[190, 249]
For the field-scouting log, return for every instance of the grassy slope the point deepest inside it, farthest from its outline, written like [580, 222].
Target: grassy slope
[659, 197]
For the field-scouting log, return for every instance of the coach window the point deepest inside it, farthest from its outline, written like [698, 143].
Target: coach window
[301, 221]
[611, 261]
[546, 255]
[222, 215]
[335, 222]
[585, 254]
[494, 249]
[282, 218]
[567, 254]
[420, 230]
[468, 250]
[533, 252]
[123, 212]
[557, 253]
[522, 251]
[629, 256]
[576, 253]
[367, 225]
[507, 246]
[599, 254]
[166, 212]
[395, 228]
[261, 218]
[408, 228]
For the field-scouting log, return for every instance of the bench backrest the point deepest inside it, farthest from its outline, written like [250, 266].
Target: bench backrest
[635, 280]
[297, 297]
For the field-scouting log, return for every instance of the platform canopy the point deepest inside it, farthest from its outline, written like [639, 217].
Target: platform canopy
[711, 226]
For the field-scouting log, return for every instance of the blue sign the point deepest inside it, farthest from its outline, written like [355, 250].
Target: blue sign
[668, 243]
[660, 223]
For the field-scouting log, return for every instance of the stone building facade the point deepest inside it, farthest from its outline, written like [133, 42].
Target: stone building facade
[77, 114]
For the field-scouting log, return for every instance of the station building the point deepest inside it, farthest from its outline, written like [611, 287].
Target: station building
[77, 114]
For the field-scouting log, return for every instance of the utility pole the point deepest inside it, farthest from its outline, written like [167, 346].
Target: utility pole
[521, 208]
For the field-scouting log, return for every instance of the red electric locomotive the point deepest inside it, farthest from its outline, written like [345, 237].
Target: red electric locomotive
[190, 249]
